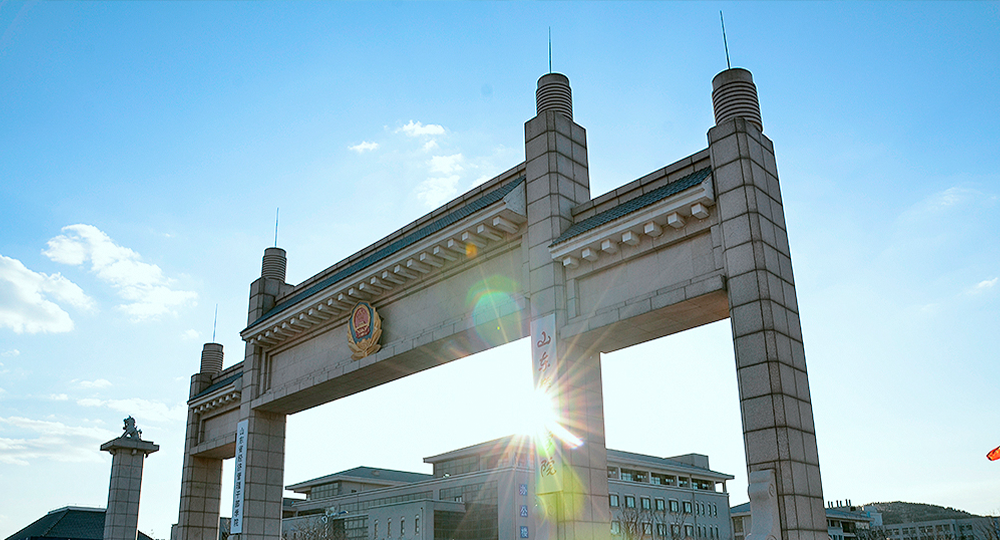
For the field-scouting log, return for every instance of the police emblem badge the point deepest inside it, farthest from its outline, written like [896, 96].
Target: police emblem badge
[365, 328]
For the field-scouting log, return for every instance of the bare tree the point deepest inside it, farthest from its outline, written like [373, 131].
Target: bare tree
[636, 523]
[988, 527]
[321, 528]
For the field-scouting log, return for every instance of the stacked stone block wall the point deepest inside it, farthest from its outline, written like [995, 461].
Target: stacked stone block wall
[774, 388]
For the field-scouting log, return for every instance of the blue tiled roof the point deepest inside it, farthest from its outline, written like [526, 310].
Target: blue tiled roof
[224, 382]
[397, 246]
[637, 203]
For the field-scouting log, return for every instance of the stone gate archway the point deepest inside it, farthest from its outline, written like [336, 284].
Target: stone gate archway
[529, 253]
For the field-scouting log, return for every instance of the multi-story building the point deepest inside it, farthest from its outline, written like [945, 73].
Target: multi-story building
[482, 492]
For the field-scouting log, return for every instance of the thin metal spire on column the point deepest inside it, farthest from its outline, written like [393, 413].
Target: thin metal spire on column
[724, 41]
[550, 49]
[276, 210]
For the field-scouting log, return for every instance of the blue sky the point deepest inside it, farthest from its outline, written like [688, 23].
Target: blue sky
[144, 148]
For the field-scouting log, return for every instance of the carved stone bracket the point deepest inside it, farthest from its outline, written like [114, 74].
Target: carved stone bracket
[764, 523]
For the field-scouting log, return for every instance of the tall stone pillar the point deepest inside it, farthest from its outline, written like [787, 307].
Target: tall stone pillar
[201, 477]
[263, 471]
[557, 180]
[778, 430]
[121, 521]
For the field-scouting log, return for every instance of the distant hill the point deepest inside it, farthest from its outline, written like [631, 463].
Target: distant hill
[894, 513]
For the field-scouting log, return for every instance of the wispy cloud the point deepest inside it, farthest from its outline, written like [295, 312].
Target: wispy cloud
[430, 145]
[143, 410]
[190, 335]
[985, 285]
[58, 397]
[364, 147]
[28, 299]
[95, 384]
[417, 129]
[435, 191]
[146, 290]
[35, 440]
[10, 353]
[446, 164]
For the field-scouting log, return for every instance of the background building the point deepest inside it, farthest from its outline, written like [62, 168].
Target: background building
[482, 492]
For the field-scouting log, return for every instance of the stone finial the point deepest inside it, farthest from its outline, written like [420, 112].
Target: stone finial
[274, 264]
[734, 95]
[554, 94]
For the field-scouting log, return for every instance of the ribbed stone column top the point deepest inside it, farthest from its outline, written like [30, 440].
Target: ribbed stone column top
[734, 95]
[554, 94]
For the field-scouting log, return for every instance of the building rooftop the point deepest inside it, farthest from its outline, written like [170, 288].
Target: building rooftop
[68, 523]
[366, 475]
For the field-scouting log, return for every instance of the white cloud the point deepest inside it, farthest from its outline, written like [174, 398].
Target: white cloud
[143, 410]
[430, 145]
[416, 129]
[49, 440]
[10, 354]
[99, 383]
[986, 284]
[28, 299]
[446, 164]
[435, 191]
[190, 335]
[363, 147]
[146, 291]
[58, 397]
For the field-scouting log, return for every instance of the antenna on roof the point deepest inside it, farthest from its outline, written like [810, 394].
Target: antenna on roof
[276, 210]
[724, 41]
[216, 323]
[550, 49]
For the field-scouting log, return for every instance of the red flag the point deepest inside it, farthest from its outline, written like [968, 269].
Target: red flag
[994, 454]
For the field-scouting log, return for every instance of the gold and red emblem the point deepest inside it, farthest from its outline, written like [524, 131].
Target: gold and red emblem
[365, 329]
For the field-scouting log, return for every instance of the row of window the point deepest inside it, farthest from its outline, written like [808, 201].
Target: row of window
[646, 528]
[644, 477]
[699, 508]
[402, 527]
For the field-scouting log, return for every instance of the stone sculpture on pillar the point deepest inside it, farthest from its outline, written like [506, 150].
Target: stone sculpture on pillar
[121, 520]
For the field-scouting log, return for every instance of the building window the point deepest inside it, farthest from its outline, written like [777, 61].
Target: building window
[645, 504]
[662, 479]
[616, 527]
[613, 500]
[674, 507]
[376, 528]
[675, 530]
[416, 525]
[687, 507]
[388, 527]
[402, 526]
[661, 505]
[629, 501]
[612, 473]
[647, 529]
[689, 530]
[684, 482]
[661, 530]
[737, 524]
